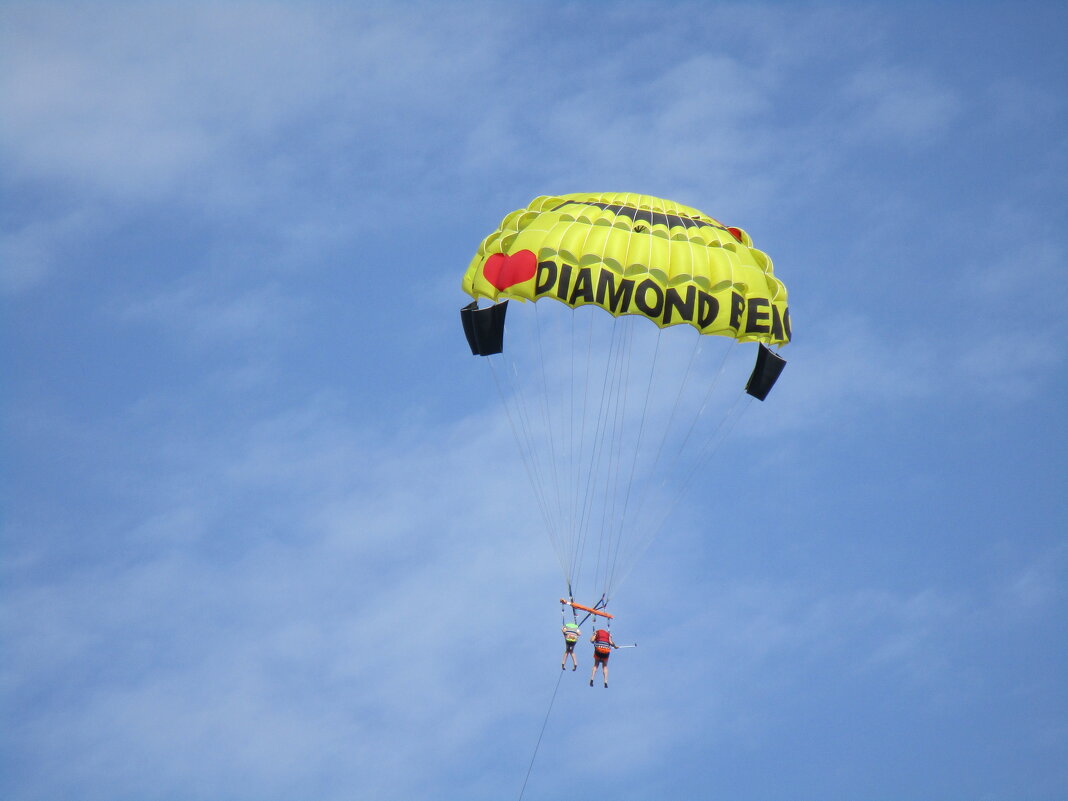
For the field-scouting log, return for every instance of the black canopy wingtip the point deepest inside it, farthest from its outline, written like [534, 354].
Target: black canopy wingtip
[765, 372]
[484, 328]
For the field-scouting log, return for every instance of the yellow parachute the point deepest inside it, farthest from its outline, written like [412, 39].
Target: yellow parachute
[634, 254]
[615, 419]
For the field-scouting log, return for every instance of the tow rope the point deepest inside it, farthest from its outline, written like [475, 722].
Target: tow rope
[542, 732]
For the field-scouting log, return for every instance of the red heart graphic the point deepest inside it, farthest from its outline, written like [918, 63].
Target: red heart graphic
[505, 271]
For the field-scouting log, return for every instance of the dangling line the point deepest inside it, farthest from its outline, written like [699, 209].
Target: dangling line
[542, 732]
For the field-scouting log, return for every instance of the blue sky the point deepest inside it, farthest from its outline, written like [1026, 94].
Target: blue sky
[265, 534]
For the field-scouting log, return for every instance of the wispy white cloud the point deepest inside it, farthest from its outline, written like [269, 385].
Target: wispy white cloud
[28, 251]
[1028, 587]
[284, 643]
[136, 103]
[285, 122]
[1007, 367]
[201, 311]
[901, 105]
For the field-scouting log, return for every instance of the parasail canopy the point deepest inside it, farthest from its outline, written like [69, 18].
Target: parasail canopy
[616, 420]
[634, 255]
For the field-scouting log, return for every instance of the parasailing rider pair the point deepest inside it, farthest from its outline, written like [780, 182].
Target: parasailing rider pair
[587, 393]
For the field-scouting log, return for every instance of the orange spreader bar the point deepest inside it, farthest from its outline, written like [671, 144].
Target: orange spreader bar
[587, 609]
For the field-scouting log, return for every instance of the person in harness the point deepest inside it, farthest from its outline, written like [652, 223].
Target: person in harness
[571, 636]
[602, 649]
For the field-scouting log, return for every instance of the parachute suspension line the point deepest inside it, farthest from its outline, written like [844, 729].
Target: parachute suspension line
[529, 463]
[741, 404]
[537, 745]
[614, 423]
[539, 470]
[628, 485]
[522, 442]
[608, 529]
[642, 542]
[603, 475]
[616, 481]
[596, 444]
[628, 449]
[563, 609]
[708, 395]
[615, 524]
[597, 439]
[583, 470]
[578, 445]
[692, 464]
[548, 420]
[603, 605]
[669, 427]
[569, 525]
[600, 436]
[527, 428]
[579, 477]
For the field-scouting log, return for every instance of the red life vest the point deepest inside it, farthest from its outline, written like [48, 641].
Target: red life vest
[602, 641]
